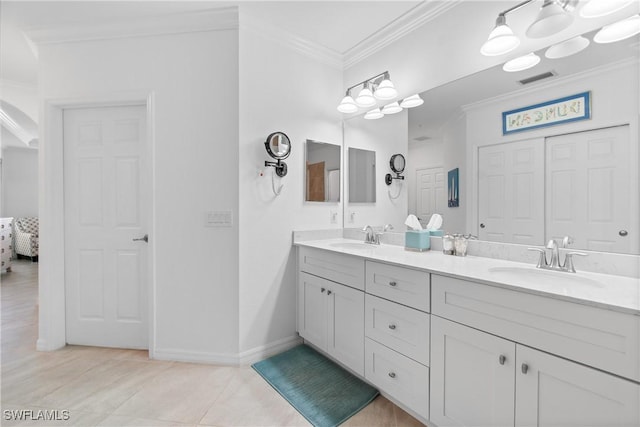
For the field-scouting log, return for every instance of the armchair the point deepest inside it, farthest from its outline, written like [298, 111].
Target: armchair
[26, 234]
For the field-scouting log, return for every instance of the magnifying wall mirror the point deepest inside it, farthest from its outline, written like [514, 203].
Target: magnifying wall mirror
[397, 164]
[278, 146]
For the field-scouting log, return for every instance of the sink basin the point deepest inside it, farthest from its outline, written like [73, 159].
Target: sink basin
[352, 245]
[540, 276]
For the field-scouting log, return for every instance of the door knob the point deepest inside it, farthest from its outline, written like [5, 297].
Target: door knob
[502, 359]
[328, 292]
[623, 233]
[525, 368]
[144, 238]
[482, 225]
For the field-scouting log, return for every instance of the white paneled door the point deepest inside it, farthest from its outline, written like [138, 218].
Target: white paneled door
[591, 194]
[511, 192]
[430, 193]
[106, 202]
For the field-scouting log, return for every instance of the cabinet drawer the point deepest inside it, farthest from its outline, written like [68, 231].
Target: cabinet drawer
[605, 339]
[340, 268]
[402, 378]
[400, 328]
[403, 285]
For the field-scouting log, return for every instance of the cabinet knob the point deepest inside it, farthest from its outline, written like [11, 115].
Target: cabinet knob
[502, 359]
[525, 368]
[392, 374]
[392, 284]
[322, 290]
[392, 326]
[328, 292]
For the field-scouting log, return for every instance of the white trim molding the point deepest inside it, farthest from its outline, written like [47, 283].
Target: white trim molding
[178, 23]
[405, 24]
[262, 352]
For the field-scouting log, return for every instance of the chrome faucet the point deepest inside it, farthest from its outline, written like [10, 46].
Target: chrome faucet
[554, 263]
[370, 236]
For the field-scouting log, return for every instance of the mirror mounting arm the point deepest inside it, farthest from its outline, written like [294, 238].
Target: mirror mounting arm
[388, 178]
[281, 167]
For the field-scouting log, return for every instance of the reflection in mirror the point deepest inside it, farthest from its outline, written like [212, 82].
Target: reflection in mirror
[323, 172]
[362, 176]
[540, 184]
[278, 145]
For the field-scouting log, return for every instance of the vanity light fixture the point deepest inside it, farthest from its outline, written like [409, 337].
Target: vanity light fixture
[598, 8]
[348, 105]
[501, 39]
[619, 30]
[365, 97]
[379, 86]
[392, 108]
[374, 114]
[521, 63]
[567, 48]
[552, 18]
[412, 101]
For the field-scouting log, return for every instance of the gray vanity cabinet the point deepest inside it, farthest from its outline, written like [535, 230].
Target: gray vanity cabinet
[484, 370]
[331, 314]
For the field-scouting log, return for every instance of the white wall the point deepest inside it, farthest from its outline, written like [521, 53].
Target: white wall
[284, 90]
[614, 92]
[454, 138]
[386, 136]
[22, 96]
[193, 79]
[19, 182]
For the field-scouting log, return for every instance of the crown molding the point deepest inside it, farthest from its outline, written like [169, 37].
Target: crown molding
[559, 81]
[400, 27]
[292, 41]
[178, 23]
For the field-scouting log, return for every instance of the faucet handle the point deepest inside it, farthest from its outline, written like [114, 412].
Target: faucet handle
[542, 260]
[568, 261]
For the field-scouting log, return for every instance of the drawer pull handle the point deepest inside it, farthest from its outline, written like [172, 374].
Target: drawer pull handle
[392, 374]
[525, 368]
[393, 284]
[322, 290]
[502, 359]
[328, 292]
[392, 326]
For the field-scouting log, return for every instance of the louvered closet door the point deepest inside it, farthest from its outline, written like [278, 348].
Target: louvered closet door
[106, 200]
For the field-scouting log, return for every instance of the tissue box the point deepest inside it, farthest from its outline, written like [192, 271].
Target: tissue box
[437, 233]
[417, 240]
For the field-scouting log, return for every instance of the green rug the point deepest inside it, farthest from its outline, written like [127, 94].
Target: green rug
[323, 392]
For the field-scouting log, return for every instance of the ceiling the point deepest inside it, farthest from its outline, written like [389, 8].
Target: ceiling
[336, 25]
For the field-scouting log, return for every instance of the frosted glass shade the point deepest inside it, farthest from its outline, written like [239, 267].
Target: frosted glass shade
[392, 108]
[501, 40]
[347, 105]
[598, 8]
[618, 31]
[567, 48]
[386, 90]
[521, 63]
[374, 114]
[551, 19]
[412, 101]
[365, 98]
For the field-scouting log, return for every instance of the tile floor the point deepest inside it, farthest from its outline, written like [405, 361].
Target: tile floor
[112, 387]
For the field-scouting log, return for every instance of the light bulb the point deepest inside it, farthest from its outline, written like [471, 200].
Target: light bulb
[365, 97]
[567, 48]
[618, 31]
[385, 90]
[392, 108]
[521, 63]
[501, 39]
[347, 105]
[551, 19]
[412, 101]
[374, 114]
[598, 8]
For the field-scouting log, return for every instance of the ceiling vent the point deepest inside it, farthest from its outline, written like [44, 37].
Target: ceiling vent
[537, 78]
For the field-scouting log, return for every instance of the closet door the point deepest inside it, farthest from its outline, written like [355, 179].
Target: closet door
[591, 193]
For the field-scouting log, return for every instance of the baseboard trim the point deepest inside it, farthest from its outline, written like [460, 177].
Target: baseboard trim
[244, 358]
[256, 354]
[44, 345]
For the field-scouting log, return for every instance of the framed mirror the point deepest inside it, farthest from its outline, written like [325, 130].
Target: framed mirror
[322, 177]
[362, 176]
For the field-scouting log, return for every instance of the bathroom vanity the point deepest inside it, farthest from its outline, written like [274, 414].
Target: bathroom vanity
[475, 341]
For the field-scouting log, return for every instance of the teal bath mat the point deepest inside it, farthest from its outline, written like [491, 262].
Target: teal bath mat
[323, 392]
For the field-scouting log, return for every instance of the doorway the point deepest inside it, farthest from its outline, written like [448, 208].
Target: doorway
[106, 208]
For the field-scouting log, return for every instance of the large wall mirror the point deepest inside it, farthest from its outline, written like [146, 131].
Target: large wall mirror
[322, 172]
[362, 175]
[578, 179]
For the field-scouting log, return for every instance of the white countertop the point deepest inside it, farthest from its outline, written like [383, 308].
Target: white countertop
[617, 293]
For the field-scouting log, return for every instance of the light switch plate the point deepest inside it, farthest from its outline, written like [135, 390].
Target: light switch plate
[218, 219]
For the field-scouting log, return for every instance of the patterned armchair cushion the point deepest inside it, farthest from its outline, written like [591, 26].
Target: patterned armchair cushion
[26, 230]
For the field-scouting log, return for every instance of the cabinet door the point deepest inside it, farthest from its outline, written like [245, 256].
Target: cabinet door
[553, 392]
[472, 376]
[312, 309]
[346, 326]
